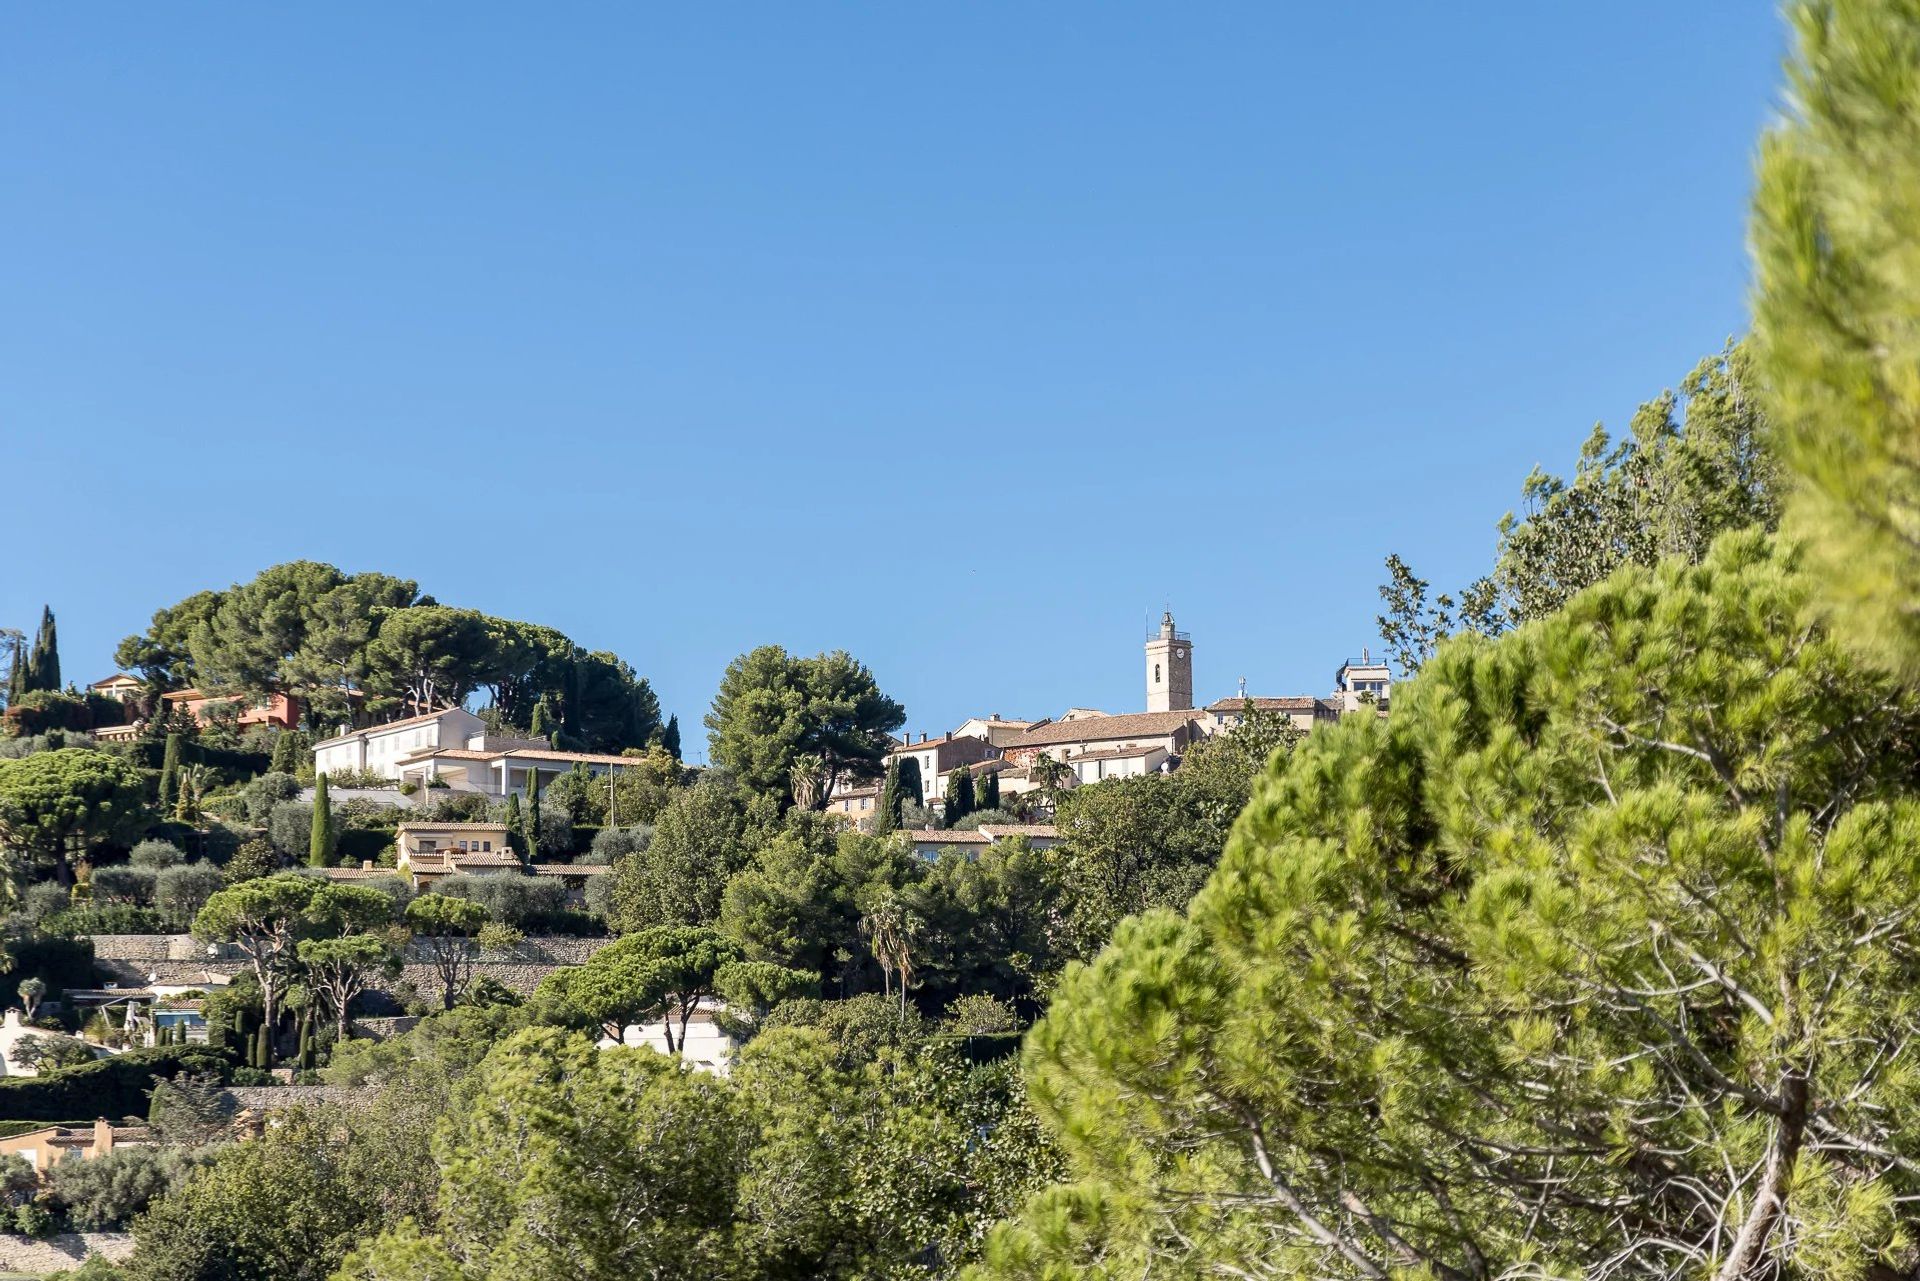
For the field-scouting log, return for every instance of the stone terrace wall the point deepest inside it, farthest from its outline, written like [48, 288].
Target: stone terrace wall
[129, 959]
[58, 1253]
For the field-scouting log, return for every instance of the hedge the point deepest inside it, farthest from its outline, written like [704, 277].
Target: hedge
[14, 1129]
[356, 845]
[113, 1087]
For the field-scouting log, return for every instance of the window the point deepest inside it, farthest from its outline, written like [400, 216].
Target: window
[486, 847]
[463, 846]
[1156, 673]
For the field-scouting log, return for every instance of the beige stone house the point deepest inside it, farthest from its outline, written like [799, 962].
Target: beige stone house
[427, 852]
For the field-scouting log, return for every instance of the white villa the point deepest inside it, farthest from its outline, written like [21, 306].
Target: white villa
[451, 748]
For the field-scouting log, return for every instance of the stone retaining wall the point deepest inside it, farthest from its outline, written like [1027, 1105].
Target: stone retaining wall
[59, 1253]
[134, 960]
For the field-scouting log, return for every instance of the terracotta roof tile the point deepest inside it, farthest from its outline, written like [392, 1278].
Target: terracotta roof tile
[1095, 729]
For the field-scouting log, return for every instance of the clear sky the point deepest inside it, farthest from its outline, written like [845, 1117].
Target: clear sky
[964, 337]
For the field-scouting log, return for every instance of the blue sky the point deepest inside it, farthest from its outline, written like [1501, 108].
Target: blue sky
[962, 337]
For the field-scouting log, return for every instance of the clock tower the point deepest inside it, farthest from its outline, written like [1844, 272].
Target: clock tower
[1169, 669]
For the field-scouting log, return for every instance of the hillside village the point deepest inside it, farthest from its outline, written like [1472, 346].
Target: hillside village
[241, 877]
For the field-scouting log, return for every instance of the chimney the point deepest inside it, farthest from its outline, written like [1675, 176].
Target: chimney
[102, 1137]
[366, 865]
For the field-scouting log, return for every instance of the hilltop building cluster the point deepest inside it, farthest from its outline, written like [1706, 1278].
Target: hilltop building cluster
[1088, 745]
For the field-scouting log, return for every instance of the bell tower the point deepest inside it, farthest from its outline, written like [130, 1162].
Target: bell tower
[1169, 669]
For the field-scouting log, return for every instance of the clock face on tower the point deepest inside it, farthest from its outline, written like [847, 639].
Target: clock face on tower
[1179, 653]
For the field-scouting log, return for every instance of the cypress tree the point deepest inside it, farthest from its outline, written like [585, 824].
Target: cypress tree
[959, 794]
[537, 725]
[887, 817]
[282, 762]
[989, 797]
[320, 842]
[44, 668]
[532, 832]
[17, 671]
[910, 782]
[670, 740]
[263, 1047]
[514, 820]
[170, 775]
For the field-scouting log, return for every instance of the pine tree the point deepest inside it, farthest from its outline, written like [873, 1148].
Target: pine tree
[170, 775]
[320, 841]
[1836, 259]
[959, 794]
[887, 817]
[670, 739]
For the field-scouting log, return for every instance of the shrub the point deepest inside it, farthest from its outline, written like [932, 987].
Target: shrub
[116, 1086]
[252, 1076]
[263, 793]
[113, 918]
[599, 895]
[31, 1220]
[519, 901]
[106, 1191]
[610, 844]
[354, 846]
[180, 892]
[460, 807]
[157, 854]
[43, 900]
[290, 829]
[979, 1014]
[123, 885]
[253, 859]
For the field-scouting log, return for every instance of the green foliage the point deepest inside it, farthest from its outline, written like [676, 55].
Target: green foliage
[113, 1087]
[1694, 464]
[570, 1162]
[156, 854]
[446, 927]
[773, 708]
[123, 885]
[1134, 844]
[105, 1192]
[285, 1206]
[180, 892]
[253, 859]
[659, 973]
[320, 835]
[1605, 911]
[42, 670]
[55, 805]
[679, 874]
[959, 795]
[1835, 255]
[265, 919]
[49, 1052]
